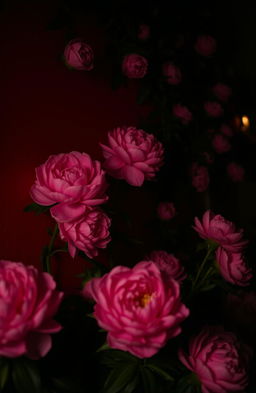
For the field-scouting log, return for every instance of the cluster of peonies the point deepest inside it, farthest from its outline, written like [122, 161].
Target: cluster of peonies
[218, 360]
[74, 185]
[139, 307]
[132, 155]
[230, 243]
[28, 302]
[200, 177]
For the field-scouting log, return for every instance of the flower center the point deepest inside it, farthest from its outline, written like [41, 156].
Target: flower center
[144, 300]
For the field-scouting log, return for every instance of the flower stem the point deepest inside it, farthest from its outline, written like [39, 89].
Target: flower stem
[211, 247]
[47, 266]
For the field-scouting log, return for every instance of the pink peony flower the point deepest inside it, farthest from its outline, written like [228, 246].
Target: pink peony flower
[88, 233]
[166, 211]
[28, 302]
[79, 55]
[235, 172]
[200, 177]
[134, 66]
[220, 144]
[168, 264]
[132, 155]
[219, 361]
[222, 92]
[233, 267]
[144, 32]
[183, 113]
[205, 45]
[172, 73]
[72, 182]
[213, 109]
[221, 231]
[226, 130]
[138, 308]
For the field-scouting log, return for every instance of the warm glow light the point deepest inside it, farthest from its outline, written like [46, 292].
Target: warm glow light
[245, 123]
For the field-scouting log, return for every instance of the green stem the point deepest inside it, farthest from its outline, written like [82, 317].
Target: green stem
[210, 249]
[49, 253]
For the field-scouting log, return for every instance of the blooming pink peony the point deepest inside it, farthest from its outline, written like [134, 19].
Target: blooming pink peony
[166, 211]
[144, 32]
[168, 264]
[200, 177]
[233, 267]
[219, 230]
[88, 233]
[134, 66]
[183, 113]
[205, 45]
[28, 302]
[132, 155]
[79, 55]
[172, 73]
[72, 181]
[213, 109]
[220, 144]
[235, 172]
[226, 130]
[222, 92]
[219, 361]
[138, 308]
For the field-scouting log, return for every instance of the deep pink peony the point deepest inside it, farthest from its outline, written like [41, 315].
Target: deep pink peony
[132, 155]
[233, 267]
[172, 73]
[222, 92]
[72, 181]
[205, 45]
[183, 113]
[213, 109]
[200, 177]
[138, 308]
[88, 233]
[219, 230]
[28, 302]
[220, 144]
[219, 361]
[134, 66]
[166, 211]
[168, 264]
[79, 55]
[144, 32]
[235, 172]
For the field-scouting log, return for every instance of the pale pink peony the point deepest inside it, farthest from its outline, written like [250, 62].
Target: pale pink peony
[79, 55]
[219, 361]
[172, 73]
[235, 172]
[166, 211]
[226, 130]
[89, 233]
[220, 144]
[72, 182]
[134, 66]
[233, 267]
[168, 264]
[222, 92]
[138, 308]
[28, 302]
[213, 109]
[144, 32]
[200, 177]
[221, 231]
[132, 155]
[183, 113]
[205, 45]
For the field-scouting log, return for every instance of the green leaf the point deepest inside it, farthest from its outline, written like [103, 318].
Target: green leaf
[37, 209]
[4, 372]
[149, 380]
[104, 347]
[160, 372]
[25, 375]
[119, 378]
[113, 357]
